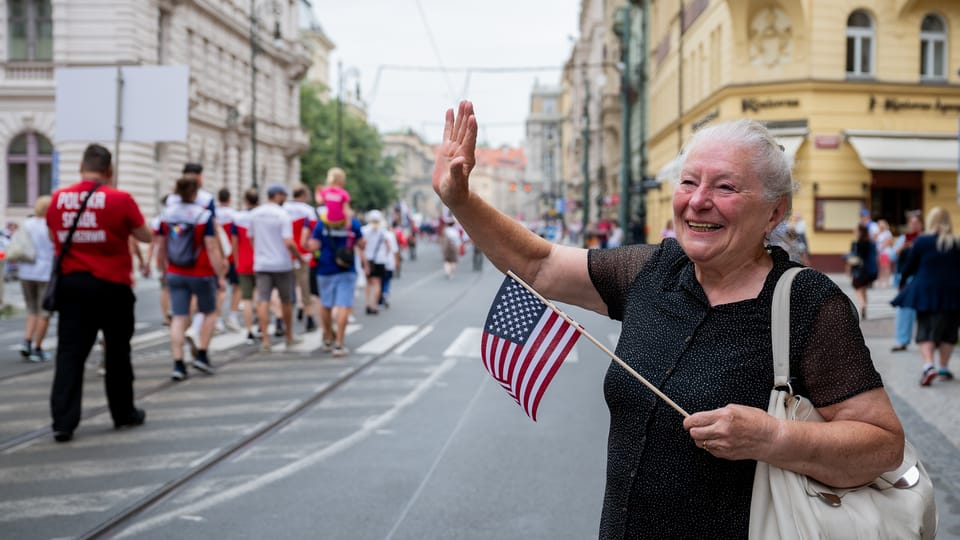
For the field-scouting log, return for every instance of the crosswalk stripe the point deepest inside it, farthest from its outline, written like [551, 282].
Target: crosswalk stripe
[467, 344]
[387, 339]
[413, 340]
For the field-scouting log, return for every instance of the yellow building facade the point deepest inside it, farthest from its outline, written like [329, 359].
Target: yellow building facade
[864, 95]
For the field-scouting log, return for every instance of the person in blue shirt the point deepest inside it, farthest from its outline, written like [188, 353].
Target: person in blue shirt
[337, 278]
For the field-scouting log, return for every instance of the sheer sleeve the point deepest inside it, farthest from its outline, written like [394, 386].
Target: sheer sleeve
[613, 270]
[835, 362]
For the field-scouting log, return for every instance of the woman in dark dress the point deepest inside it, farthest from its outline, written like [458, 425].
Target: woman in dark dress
[934, 292]
[696, 323]
[863, 266]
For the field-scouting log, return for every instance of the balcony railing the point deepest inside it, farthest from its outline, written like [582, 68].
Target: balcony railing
[27, 71]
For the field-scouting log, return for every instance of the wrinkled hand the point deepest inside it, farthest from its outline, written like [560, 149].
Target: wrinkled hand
[733, 432]
[456, 155]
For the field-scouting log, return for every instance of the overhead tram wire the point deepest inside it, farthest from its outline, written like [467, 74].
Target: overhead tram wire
[436, 50]
[468, 70]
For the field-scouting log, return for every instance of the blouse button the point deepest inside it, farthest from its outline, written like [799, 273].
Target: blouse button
[688, 339]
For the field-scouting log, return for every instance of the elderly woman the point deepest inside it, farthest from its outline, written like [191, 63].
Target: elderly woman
[934, 292]
[696, 323]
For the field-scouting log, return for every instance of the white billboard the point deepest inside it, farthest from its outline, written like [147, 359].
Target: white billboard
[152, 103]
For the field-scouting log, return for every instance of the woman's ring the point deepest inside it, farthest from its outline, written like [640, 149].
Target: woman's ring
[705, 445]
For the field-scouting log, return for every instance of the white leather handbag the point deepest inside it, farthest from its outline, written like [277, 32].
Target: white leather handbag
[896, 505]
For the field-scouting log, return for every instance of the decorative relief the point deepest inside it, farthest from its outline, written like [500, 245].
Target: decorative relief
[771, 37]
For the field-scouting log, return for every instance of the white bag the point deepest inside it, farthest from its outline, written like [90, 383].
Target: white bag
[20, 248]
[897, 505]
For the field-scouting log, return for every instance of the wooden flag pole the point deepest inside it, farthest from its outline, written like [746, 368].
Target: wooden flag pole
[602, 347]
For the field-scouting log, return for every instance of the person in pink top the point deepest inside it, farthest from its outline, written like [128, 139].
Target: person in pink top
[336, 198]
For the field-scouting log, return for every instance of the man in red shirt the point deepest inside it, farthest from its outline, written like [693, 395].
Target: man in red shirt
[240, 236]
[94, 293]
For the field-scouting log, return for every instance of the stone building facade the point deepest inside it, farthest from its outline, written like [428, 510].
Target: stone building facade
[212, 37]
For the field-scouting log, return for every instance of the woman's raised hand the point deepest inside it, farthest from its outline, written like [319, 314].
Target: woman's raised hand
[456, 156]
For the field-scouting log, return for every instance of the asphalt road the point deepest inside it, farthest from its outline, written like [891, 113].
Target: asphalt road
[406, 438]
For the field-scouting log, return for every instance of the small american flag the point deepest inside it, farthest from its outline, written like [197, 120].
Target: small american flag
[523, 344]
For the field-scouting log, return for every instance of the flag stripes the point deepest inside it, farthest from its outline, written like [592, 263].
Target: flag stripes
[523, 345]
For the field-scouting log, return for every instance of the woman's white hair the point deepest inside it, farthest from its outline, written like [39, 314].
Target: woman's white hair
[768, 162]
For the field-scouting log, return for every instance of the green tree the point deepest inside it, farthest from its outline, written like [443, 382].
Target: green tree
[369, 172]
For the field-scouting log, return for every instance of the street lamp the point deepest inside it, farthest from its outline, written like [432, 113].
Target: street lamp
[352, 72]
[274, 5]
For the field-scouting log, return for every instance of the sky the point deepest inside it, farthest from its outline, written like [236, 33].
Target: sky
[372, 35]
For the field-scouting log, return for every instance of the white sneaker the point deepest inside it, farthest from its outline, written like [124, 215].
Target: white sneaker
[233, 323]
[220, 327]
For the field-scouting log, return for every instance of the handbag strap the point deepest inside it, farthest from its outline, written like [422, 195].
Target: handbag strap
[780, 327]
[73, 228]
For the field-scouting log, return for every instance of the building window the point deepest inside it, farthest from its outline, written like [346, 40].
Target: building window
[859, 45]
[30, 30]
[29, 169]
[933, 48]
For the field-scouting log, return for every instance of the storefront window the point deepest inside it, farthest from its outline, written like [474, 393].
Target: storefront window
[29, 168]
[859, 45]
[933, 48]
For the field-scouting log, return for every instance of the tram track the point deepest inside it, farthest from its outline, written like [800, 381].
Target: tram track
[115, 523]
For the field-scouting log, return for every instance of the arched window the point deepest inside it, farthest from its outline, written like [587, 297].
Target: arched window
[860, 45]
[30, 27]
[29, 168]
[933, 48]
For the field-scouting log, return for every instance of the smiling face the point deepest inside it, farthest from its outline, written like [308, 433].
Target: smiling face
[720, 213]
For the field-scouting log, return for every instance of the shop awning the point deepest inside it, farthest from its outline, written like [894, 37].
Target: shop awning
[900, 151]
[791, 143]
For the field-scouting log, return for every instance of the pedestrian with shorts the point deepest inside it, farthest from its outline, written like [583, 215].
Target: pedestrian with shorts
[94, 291]
[377, 251]
[301, 214]
[274, 255]
[226, 214]
[190, 252]
[33, 281]
[337, 278]
[243, 250]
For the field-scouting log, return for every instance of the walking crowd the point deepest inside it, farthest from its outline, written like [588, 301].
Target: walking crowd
[216, 265]
[922, 263]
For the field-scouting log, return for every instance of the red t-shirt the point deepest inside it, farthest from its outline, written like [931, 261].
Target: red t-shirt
[100, 243]
[241, 231]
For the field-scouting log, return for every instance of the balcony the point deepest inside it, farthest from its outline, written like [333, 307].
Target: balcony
[27, 71]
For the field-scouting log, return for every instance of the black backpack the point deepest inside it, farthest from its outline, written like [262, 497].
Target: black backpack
[182, 249]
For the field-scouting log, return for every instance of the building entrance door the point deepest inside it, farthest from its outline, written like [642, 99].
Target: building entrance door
[893, 194]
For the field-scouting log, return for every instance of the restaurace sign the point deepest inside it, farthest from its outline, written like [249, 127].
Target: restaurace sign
[897, 105]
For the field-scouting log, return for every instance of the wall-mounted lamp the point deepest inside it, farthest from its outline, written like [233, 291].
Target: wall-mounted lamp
[816, 187]
[933, 189]
[865, 187]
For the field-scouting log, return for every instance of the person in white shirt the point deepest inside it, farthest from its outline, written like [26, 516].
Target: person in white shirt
[274, 254]
[391, 265]
[377, 251]
[302, 215]
[33, 280]
[226, 215]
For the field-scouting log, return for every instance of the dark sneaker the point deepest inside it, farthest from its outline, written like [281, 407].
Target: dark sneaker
[945, 374]
[203, 364]
[311, 324]
[179, 371]
[278, 330]
[25, 349]
[898, 348]
[137, 418]
[928, 376]
[63, 436]
[39, 355]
